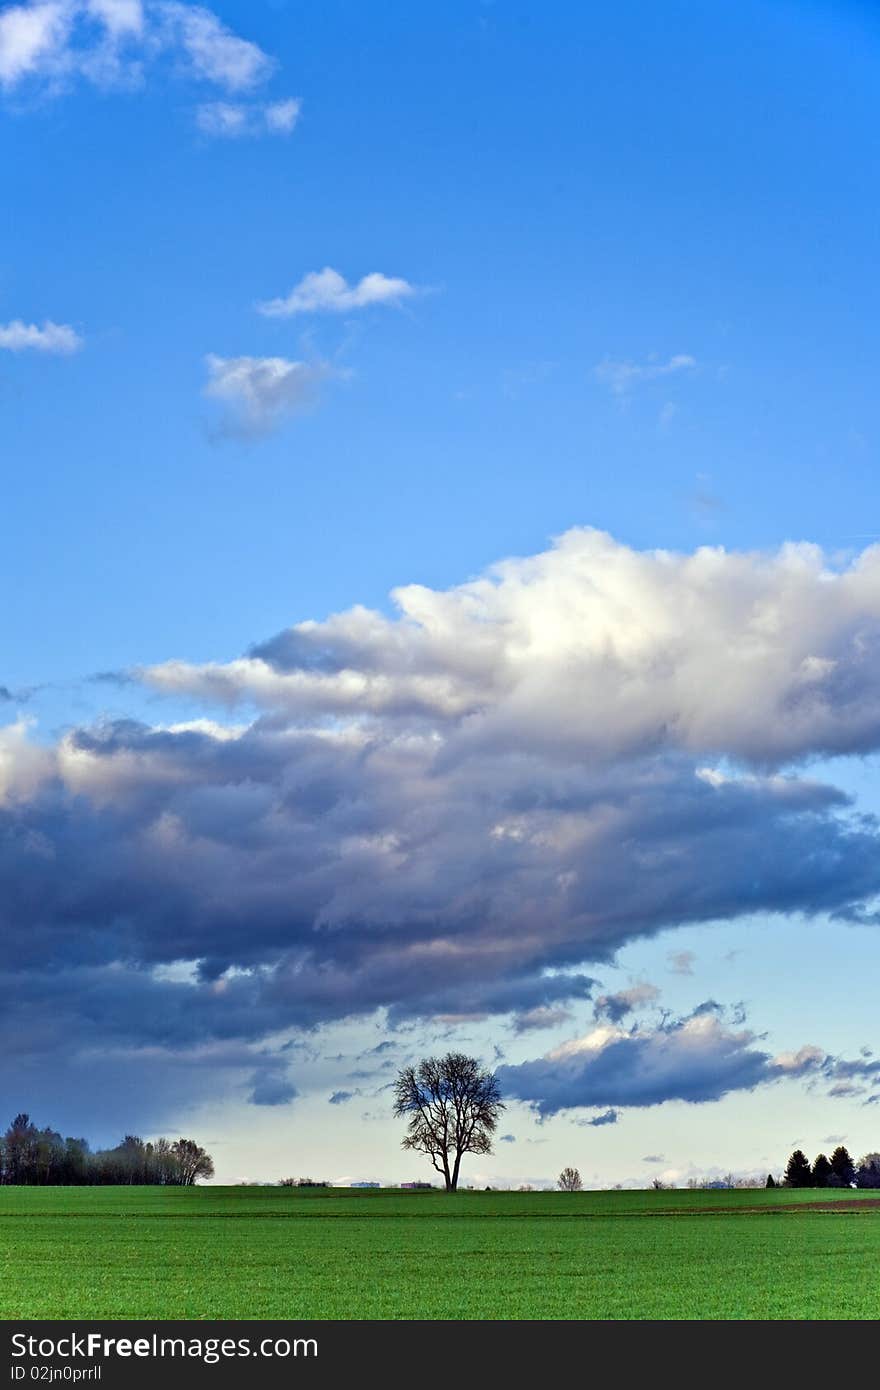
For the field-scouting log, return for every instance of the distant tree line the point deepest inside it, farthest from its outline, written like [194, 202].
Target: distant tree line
[33, 1157]
[837, 1171]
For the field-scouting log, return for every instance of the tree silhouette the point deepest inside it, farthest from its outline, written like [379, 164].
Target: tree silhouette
[193, 1161]
[821, 1171]
[452, 1108]
[868, 1174]
[842, 1166]
[569, 1180]
[42, 1157]
[797, 1171]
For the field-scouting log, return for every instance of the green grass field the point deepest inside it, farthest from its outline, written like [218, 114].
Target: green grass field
[222, 1252]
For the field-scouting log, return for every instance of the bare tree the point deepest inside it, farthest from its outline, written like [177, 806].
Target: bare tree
[569, 1180]
[452, 1108]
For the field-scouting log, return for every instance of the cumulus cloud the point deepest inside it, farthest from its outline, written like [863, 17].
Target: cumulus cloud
[450, 813]
[58, 338]
[259, 392]
[107, 42]
[622, 377]
[697, 1058]
[326, 291]
[592, 650]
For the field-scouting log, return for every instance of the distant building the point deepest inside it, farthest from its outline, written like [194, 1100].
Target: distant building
[417, 1187]
[365, 1184]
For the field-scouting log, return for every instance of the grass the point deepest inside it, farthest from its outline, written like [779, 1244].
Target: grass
[215, 1252]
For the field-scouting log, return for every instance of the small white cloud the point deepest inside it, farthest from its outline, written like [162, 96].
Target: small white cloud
[231, 120]
[804, 1059]
[222, 119]
[260, 391]
[326, 291]
[52, 337]
[281, 116]
[621, 377]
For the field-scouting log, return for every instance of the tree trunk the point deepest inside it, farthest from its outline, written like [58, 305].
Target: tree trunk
[454, 1186]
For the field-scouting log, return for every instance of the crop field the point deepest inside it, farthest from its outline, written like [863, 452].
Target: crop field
[250, 1252]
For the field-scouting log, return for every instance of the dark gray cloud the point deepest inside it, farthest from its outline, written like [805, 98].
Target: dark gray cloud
[608, 1117]
[340, 1097]
[454, 814]
[541, 1016]
[614, 1007]
[272, 1088]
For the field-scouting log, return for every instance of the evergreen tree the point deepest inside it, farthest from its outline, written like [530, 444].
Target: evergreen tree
[821, 1171]
[771, 1181]
[842, 1166]
[797, 1171]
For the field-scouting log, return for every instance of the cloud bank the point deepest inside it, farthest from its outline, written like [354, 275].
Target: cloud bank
[455, 812]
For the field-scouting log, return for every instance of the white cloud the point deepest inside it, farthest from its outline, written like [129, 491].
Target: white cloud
[32, 37]
[621, 377]
[52, 337]
[260, 391]
[215, 53]
[108, 41]
[222, 118]
[595, 650]
[118, 16]
[231, 120]
[800, 1061]
[326, 291]
[282, 116]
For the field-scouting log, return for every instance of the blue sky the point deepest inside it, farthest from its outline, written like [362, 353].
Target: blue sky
[627, 260]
